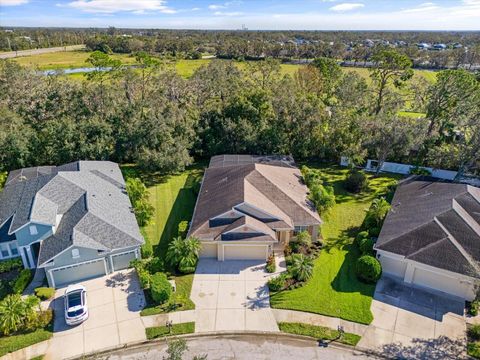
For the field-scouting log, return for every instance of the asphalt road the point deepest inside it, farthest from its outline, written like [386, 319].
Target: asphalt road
[14, 54]
[241, 347]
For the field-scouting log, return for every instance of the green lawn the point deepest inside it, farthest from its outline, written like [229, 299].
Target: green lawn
[177, 329]
[334, 289]
[319, 332]
[13, 343]
[173, 198]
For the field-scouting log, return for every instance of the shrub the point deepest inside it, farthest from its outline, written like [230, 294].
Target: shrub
[186, 269]
[376, 213]
[368, 269]
[155, 265]
[301, 267]
[44, 293]
[366, 246]
[311, 176]
[160, 288]
[474, 332]
[356, 181]
[374, 231]
[473, 349]
[271, 266]
[304, 239]
[322, 196]
[22, 281]
[182, 228]
[278, 283]
[360, 236]
[147, 250]
[39, 320]
[183, 254]
[473, 309]
[10, 264]
[144, 277]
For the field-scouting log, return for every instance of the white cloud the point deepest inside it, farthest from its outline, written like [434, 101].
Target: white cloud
[223, 13]
[347, 7]
[216, 7]
[113, 6]
[12, 2]
[428, 6]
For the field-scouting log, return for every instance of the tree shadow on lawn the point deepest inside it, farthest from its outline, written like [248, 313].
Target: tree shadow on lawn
[182, 210]
[346, 280]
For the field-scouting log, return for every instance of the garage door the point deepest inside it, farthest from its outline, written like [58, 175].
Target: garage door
[77, 273]
[208, 251]
[122, 261]
[443, 283]
[245, 252]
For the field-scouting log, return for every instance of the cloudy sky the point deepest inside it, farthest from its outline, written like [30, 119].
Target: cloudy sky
[255, 14]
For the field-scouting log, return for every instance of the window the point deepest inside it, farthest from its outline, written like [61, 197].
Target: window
[13, 249]
[298, 229]
[4, 250]
[33, 230]
[75, 253]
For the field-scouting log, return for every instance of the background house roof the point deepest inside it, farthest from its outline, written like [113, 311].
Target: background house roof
[435, 223]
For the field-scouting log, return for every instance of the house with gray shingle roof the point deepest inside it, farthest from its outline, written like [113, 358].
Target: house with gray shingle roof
[74, 220]
[431, 237]
[249, 206]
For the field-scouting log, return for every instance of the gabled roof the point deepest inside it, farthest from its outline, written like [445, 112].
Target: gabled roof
[88, 197]
[267, 192]
[435, 223]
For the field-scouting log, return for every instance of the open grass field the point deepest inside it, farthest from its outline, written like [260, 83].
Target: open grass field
[185, 68]
[334, 289]
[173, 198]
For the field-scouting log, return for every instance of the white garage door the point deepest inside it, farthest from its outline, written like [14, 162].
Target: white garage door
[122, 261]
[208, 251]
[443, 283]
[80, 272]
[245, 252]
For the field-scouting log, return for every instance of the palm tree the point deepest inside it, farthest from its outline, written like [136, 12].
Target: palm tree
[12, 313]
[183, 254]
[301, 267]
[378, 210]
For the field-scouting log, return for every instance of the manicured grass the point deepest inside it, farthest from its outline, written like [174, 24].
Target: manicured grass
[319, 332]
[65, 60]
[177, 329]
[173, 198]
[334, 289]
[13, 343]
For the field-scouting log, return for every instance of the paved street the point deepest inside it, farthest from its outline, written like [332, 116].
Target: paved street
[241, 347]
[114, 304]
[232, 295]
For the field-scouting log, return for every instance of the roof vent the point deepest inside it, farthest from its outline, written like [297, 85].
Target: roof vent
[22, 178]
[427, 194]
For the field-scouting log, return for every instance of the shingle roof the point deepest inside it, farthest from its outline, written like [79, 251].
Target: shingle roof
[238, 182]
[435, 223]
[88, 196]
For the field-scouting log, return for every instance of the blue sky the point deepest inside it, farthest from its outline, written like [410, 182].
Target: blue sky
[255, 14]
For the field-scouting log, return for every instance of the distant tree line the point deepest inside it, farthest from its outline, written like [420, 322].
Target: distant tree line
[153, 117]
[463, 48]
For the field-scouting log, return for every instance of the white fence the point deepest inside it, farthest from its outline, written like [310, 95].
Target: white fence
[405, 169]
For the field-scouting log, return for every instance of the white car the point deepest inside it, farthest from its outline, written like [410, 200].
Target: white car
[76, 310]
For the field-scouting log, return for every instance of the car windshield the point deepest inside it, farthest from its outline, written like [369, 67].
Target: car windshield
[73, 300]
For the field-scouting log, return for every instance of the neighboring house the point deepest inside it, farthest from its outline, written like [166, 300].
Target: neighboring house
[249, 206]
[431, 237]
[75, 220]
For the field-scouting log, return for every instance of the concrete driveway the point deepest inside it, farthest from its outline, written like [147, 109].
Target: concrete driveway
[233, 295]
[114, 303]
[414, 323]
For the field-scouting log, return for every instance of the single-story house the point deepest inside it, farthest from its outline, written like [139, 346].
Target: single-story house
[431, 237]
[75, 220]
[249, 206]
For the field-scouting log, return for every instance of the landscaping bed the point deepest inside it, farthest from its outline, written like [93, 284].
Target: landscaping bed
[176, 329]
[319, 333]
[334, 289]
[473, 341]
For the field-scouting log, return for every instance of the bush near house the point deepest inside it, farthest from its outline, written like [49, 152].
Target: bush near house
[44, 293]
[279, 282]
[473, 341]
[22, 281]
[160, 288]
[366, 246]
[10, 265]
[138, 195]
[368, 269]
[271, 266]
[321, 195]
[183, 254]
